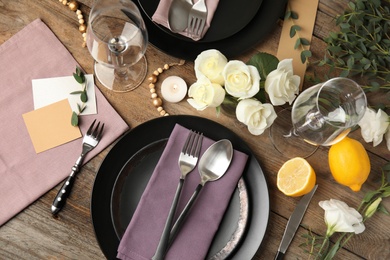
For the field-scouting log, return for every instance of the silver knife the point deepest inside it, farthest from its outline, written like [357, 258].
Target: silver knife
[293, 223]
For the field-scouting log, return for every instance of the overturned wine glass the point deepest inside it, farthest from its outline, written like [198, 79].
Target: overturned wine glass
[321, 115]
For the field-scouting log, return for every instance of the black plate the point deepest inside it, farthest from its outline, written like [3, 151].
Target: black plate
[259, 27]
[230, 17]
[132, 181]
[155, 131]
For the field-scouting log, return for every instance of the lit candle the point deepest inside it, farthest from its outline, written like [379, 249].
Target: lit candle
[173, 89]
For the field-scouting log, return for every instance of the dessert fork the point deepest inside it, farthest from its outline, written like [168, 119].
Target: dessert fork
[90, 141]
[187, 161]
[197, 19]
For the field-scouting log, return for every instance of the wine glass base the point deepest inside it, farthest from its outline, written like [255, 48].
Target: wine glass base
[122, 81]
[285, 141]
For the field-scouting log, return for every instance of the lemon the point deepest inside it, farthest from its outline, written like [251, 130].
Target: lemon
[349, 163]
[296, 177]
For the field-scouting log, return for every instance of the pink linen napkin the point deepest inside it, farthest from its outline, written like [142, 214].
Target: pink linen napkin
[142, 235]
[35, 53]
[160, 16]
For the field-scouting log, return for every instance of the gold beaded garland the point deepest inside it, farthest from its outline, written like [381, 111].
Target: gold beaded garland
[74, 6]
[152, 79]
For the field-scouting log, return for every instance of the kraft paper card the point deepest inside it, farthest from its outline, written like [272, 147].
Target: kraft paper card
[50, 126]
[51, 90]
[306, 10]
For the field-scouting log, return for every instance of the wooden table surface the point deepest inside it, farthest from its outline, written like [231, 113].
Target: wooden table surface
[35, 234]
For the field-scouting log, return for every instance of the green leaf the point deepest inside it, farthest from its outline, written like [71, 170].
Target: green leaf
[294, 29]
[79, 75]
[305, 55]
[297, 43]
[78, 78]
[386, 193]
[218, 110]
[287, 15]
[305, 42]
[332, 252]
[264, 62]
[84, 97]
[294, 15]
[261, 96]
[383, 210]
[74, 119]
[76, 92]
[344, 73]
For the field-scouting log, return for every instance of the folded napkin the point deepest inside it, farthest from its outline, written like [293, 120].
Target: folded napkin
[35, 53]
[142, 235]
[160, 16]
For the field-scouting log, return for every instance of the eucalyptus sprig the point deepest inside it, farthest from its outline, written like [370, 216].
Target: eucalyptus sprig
[300, 42]
[80, 78]
[318, 246]
[362, 46]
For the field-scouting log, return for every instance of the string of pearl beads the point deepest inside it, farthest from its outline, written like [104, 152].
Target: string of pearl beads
[74, 6]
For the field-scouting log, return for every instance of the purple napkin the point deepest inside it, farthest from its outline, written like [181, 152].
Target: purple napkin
[144, 231]
[160, 16]
[34, 53]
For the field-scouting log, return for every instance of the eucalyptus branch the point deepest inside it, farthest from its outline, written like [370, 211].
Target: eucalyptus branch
[362, 46]
[294, 31]
[80, 78]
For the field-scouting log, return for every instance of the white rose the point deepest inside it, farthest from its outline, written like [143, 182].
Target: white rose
[255, 115]
[241, 80]
[210, 64]
[374, 125]
[339, 217]
[281, 84]
[205, 94]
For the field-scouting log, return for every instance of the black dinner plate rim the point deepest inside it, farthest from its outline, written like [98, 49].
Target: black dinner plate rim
[259, 27]
[247, 7]
[257, 186]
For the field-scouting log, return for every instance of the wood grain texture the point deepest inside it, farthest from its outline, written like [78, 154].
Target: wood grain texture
[35, 234]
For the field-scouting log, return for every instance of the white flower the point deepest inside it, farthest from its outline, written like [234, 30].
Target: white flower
[374, 125]
[205, 94]
[281, 84]
[255, 115]
[241, 80]
[210, 64]
[339, 217]
[387, 137]
[373, 207]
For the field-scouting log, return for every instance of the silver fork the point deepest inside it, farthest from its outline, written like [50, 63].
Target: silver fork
[90, 141]
[187, 161]
[197, 19]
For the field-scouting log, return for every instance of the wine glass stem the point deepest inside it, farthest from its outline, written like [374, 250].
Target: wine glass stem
[121, 72]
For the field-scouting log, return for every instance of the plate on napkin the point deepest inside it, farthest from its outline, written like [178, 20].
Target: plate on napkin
[145, 136]
[229, 18]
[259, 27]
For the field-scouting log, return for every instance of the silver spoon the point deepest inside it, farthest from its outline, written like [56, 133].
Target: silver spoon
[178, 15]
[212, 166]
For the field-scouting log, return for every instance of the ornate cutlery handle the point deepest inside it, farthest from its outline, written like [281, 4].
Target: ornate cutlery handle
[63, 193]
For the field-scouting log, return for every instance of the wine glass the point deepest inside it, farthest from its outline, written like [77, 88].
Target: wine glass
[117, 39]
[321, 115]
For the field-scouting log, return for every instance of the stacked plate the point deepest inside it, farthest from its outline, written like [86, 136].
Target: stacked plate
[124, 173]
[236, 26]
